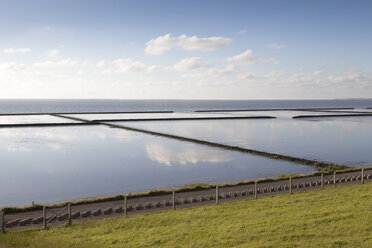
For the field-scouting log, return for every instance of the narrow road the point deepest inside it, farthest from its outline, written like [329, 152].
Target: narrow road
[94, 211]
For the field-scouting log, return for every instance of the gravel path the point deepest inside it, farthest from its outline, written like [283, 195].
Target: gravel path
[94, 211]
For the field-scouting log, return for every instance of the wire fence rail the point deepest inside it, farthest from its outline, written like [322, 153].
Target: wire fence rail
[53, 216]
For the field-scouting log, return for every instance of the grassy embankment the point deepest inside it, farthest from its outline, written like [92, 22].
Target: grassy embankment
[333, 217]
[186, 188]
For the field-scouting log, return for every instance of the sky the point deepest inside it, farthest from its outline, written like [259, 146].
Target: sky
[176, 49]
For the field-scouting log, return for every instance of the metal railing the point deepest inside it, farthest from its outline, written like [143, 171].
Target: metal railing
[290, 186]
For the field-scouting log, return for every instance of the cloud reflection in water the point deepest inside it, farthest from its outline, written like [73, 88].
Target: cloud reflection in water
[191, 154]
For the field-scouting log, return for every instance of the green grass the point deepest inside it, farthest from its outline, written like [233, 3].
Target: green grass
[334, 217]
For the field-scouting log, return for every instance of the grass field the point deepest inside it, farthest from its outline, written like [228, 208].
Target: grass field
[334, 217]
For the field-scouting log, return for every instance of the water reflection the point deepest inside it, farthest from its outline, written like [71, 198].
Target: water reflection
[185, 155]
[56, 164]
[278, 113]
[150, 115]
[342, 140]
[26, 119]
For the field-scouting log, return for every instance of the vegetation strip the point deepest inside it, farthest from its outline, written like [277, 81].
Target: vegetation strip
[241, 110]
[186, 188]
[87, 113]
[189, 118]
[323, 116]
[47, 124]
[335, 111]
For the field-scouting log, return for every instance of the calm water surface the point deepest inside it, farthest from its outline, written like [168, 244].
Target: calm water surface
[56, 164]
[48, 106]
[157, 115]
[26, 119]
[339, 140]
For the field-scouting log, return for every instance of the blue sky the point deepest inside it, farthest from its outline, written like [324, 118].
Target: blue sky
[185, 49]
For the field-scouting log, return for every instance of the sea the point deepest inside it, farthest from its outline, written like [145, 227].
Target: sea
[48, 106]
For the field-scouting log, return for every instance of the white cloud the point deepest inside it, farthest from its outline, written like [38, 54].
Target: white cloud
[53, 53]
[17, 50]
[189, 64]
[127, 65]
[273, 61]
[354, 77]
[59, 63]
[276, 46]
[229, 69]
[242, 31]
[100, 63]
[247, 58]
[164, 43]
[275, 75]
[13, 66]
[18, 149]
[249, 75]
[302, 79]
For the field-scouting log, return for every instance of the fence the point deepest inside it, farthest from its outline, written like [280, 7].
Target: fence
[184, 199]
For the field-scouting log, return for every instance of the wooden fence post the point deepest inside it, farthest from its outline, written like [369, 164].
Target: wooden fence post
[362, 177]
[2, 222]
[255, 189]
[125, 207]
[334, 179]
[44, 218]
[69, 221]
[174, 200]
[217, 194]
[290, 185]
[322, 181]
